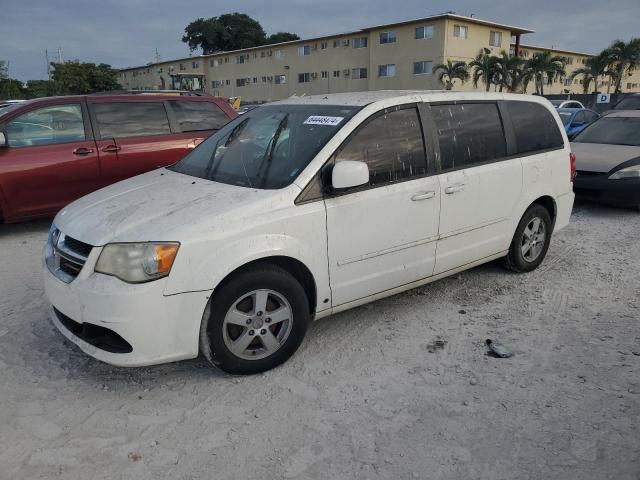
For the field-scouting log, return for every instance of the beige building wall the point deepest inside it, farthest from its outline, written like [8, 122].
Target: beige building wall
[333, 63]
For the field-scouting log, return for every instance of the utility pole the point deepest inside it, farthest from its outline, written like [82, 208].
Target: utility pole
[46, 56]
[59, 54]
[157, 56]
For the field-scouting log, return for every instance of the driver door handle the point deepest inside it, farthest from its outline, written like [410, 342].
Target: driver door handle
[423, 196]
[82, 151]
[456, 187]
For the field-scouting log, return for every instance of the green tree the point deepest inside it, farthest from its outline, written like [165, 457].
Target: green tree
[231, 31]
[545, 66]
[594, 68]
[485, 68]
[281, 37]
[78, 78]
[12, 89]
[450, 71]
[512, 73]
[624, 58]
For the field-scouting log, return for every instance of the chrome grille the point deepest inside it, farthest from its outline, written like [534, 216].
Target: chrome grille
[65, 256]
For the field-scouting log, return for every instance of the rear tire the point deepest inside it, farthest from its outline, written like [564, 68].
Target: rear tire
[255, 321]
[531, 240]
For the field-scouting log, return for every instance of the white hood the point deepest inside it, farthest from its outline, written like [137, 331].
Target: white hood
[159, 205]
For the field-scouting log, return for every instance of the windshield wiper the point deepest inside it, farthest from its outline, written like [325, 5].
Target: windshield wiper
[269, 151]
[232, 136]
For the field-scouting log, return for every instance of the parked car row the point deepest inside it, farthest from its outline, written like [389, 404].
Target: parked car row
[55, 150]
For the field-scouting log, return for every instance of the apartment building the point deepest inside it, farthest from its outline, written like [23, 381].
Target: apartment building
[399, 55]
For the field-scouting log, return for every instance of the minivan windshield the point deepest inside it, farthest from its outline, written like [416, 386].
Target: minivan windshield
[612, 130]
[267, 147]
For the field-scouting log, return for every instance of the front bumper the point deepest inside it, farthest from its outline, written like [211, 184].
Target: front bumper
[93, 310]
[597, 187]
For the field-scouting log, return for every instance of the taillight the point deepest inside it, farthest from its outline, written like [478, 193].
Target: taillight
[572, 161]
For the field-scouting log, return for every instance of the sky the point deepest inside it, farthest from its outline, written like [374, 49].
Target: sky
[126, 33]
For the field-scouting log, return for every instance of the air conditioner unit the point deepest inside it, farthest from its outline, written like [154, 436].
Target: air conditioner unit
[346, 72]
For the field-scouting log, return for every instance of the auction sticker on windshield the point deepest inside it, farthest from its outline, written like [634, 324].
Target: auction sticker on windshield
[322, 120]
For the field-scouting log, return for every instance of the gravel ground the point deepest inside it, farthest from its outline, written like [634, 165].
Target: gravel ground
[368, 395]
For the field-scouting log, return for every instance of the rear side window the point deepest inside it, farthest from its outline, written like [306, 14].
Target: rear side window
[391, 145]
[534, 126]
[195, 116]
[469, 134]
[131, 119]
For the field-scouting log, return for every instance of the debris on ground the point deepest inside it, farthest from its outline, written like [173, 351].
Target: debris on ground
[498, 350]
[436, 345]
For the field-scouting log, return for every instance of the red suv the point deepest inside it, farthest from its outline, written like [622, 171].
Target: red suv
[54, 150]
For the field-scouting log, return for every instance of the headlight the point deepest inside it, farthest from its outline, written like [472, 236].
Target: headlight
[629, 172]
[137, 262]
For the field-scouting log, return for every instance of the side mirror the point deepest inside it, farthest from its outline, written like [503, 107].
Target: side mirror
[348, 174]
[3, 140]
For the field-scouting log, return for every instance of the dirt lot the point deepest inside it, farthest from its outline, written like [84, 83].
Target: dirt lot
[367, 396]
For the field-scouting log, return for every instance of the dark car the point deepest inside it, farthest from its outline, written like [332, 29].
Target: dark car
[54, 150]
[608, 159]
[629, 102]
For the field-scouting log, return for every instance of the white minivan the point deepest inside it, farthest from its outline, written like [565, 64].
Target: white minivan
[300, 209]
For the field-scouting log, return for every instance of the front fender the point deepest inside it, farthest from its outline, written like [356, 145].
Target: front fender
[202, 267]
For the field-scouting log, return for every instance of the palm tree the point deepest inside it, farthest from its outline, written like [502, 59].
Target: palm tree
[511, 73]
[594, 68]
[450, 71]
[544, 64]
[484, 67]
[625, 57]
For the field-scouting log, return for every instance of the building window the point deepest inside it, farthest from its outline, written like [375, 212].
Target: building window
[240, 59]
[460, 31]
[195, 64]
[324, 74]
[324, 45]
[424, 32]
[358, 73]
[228, 82]
[495, 39]
[279, 54]
[387, 37]
[360, 42]
[241, 82]
[255, 55]
[183, 66]
[336, 43]
[304, 77]
[226, 59]
[216, 84]
[336, 73]
[214, 62]
[388, 70]
[303, 51]
[255, 79]
[424, 67]
[280, 79]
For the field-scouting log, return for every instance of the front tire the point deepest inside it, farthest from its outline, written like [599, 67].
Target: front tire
[255, 321]
[531, 240]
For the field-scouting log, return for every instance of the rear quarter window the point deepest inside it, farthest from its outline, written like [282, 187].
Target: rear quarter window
[196, 116]
[535, 127]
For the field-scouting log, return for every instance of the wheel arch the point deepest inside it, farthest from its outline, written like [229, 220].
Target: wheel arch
[549, 204]
[295, 267]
